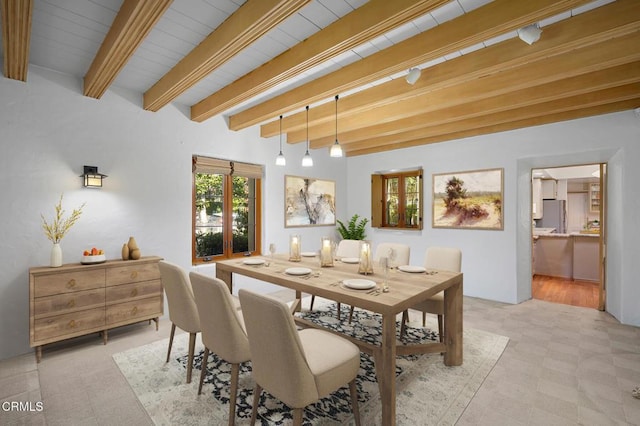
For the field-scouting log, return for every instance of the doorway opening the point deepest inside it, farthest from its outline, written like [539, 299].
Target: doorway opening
[567, 235]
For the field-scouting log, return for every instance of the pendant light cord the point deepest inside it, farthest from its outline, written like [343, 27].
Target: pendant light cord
[336, 117]
[307, 129]
[280, 134]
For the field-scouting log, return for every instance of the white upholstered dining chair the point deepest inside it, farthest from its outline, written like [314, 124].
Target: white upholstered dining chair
[223, 330]
[446, 259]
[397, 253]
[297, 367]
[183, 312]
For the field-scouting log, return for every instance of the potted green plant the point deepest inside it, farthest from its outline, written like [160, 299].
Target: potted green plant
[355, 229]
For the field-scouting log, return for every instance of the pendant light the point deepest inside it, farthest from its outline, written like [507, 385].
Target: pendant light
[336, 149]
[280, 160]
[307, 161]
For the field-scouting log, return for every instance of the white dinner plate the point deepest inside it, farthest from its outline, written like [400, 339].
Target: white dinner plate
[308, 253]
[359, 283]
[350, 260]
[253, 261]
[297, 271]
[411, 268]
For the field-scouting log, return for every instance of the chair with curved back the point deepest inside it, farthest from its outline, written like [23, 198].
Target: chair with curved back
[397, 253]
[297, 367]
[446, 259]
[223, 330]
[183, 312]
[346, 248]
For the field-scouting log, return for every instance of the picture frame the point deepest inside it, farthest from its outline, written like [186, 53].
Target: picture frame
[468, 200]
[309, 201]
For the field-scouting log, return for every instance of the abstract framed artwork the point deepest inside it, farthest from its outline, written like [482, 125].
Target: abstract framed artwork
[468, 200]
[309, 202]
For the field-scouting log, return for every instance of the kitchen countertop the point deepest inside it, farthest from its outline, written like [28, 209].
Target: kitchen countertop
[573, 234]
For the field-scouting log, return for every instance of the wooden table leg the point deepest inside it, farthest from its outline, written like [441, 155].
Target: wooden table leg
[227, 277]
[453, 324]
[387, 377]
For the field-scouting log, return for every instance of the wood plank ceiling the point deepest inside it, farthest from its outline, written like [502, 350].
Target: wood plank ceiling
[258, 59]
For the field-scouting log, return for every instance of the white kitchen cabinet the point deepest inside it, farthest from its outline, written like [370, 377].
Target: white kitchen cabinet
[536, 198]
[594, 197]
[549, 189]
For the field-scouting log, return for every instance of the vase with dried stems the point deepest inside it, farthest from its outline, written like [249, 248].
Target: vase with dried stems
[58, 228]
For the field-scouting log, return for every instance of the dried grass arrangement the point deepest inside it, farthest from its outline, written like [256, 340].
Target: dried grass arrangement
[60, 226]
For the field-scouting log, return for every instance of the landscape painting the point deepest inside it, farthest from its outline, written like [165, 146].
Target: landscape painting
[309, 201]
[468, 200]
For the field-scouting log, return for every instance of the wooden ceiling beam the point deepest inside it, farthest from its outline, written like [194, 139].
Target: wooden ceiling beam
[493, 19]
[513, 125]
[599, 80]
[251, 21]
[613, 20]
[591, 58]
[16, 36]
[134, 21]
[594, 98]
[363, 24]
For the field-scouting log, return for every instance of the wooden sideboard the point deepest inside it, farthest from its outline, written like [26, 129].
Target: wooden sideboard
[74, 299]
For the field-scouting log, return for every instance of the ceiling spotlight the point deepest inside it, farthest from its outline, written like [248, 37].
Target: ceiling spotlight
[530, 34]
[413, 75]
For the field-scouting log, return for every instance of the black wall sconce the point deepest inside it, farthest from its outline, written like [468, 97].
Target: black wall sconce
[91, 177]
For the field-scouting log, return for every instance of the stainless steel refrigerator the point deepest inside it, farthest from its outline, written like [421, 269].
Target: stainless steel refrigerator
[554, 215]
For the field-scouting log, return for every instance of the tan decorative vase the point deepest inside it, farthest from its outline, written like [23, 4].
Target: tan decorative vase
[132, 244]
[125, 251]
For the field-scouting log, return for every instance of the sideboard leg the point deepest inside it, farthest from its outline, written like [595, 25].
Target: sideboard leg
[38, 353]
[157, 321]
[105, 336]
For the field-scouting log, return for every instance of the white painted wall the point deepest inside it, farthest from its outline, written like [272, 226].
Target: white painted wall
[497, 264]
[48, 131]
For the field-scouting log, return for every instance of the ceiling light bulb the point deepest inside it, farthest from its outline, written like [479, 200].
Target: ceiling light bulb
[413, 75]
[307, 161]
[336, 150]
[530, 34]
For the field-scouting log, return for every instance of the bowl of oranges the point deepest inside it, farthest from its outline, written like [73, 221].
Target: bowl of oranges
[90, 257]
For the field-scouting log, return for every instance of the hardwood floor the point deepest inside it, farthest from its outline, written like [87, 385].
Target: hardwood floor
[565, 291]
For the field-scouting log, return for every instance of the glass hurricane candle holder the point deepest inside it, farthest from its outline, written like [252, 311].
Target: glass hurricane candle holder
[326, 252]
[365, 265]
[294, 248]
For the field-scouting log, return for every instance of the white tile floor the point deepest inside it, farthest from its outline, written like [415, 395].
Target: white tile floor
[564, 365]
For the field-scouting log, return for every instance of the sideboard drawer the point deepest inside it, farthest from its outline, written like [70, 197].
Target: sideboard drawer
[133, 273]
[127, 292]
[68, 324]
[48, 285]
[143, 308]
[68, 302]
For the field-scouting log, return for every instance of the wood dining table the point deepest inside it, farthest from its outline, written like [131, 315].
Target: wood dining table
[405, 289]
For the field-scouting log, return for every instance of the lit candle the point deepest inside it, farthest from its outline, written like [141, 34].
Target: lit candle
[326, 255]
[294, 248]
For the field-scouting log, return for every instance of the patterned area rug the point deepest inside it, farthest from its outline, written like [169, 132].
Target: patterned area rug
[428, 391]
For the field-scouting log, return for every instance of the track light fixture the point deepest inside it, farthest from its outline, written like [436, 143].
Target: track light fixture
[530, 34]
[307, 161]
[280, 160]
[413, 75]
[336, 149]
